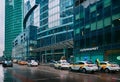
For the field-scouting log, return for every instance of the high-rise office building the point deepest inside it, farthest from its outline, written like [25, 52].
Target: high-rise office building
[13, 23]
[55, 32]
[97, 30]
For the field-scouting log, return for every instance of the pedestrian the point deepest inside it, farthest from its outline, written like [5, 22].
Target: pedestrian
[97, 62]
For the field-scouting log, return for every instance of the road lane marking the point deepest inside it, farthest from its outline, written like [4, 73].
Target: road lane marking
[41, 79]
[116, 78]
[46, 79]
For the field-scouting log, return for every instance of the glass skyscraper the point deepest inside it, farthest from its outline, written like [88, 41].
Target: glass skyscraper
[13, 23]
[97, 30]
[56, 28]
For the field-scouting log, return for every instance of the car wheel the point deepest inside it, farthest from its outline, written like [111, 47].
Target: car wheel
[55, 67]
[101, 70]
[59, 67]
[114, 71]
[70, 69]
[80, 70]
[107, 70]
[92, 72]
[84, 70]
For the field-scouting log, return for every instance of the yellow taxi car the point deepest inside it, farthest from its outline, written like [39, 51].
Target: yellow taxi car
[83, 66]
[107, 66]
[22, 62]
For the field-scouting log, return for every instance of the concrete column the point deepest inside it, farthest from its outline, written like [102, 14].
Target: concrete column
[42, 58]
[52, 54]
[45, 56]
[64, 52]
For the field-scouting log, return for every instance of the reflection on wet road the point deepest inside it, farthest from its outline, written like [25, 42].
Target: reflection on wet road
[1, 74]
[47, 74]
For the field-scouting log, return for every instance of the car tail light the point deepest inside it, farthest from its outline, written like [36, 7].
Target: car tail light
[90, 65]
[113, 65]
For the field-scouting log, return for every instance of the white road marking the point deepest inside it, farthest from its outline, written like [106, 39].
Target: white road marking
[46, 78]
[41, 79]
[116, 78]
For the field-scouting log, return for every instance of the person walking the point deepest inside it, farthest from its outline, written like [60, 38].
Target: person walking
[97, 62]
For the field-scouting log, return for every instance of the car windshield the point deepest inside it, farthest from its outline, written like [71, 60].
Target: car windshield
[63, 61]
[112, 62]
[89, 62]
[32, 60]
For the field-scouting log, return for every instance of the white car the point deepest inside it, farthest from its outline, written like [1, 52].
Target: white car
[52, 63]
[107, 66]
[84, 66]
[62, 64]
[32, 63]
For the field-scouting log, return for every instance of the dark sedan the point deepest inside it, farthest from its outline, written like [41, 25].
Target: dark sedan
[7, 63]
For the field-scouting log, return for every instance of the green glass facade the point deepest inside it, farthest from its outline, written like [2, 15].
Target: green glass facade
[97, 29]
[13, 23]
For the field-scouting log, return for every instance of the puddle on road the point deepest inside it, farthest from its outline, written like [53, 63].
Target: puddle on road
[5, 75]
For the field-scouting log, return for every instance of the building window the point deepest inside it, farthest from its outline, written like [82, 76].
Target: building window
[116, 16]
[100, 24]
[77, 17]
[78, 2]
[77, 31]
[93, 16]
[107, 21]
[107, 3]
[87, 28]
[107, 11]
[116, 20]
[99, 10]
[93, 8]
[115, 4]
[81, 15]
[93, 26]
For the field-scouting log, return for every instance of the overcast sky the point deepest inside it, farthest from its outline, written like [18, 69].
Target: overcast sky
[2, 8]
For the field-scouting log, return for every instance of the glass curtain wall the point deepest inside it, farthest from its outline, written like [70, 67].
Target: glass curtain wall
[97, 24]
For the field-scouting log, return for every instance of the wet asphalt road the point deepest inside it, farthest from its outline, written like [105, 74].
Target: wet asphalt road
[19, 73]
